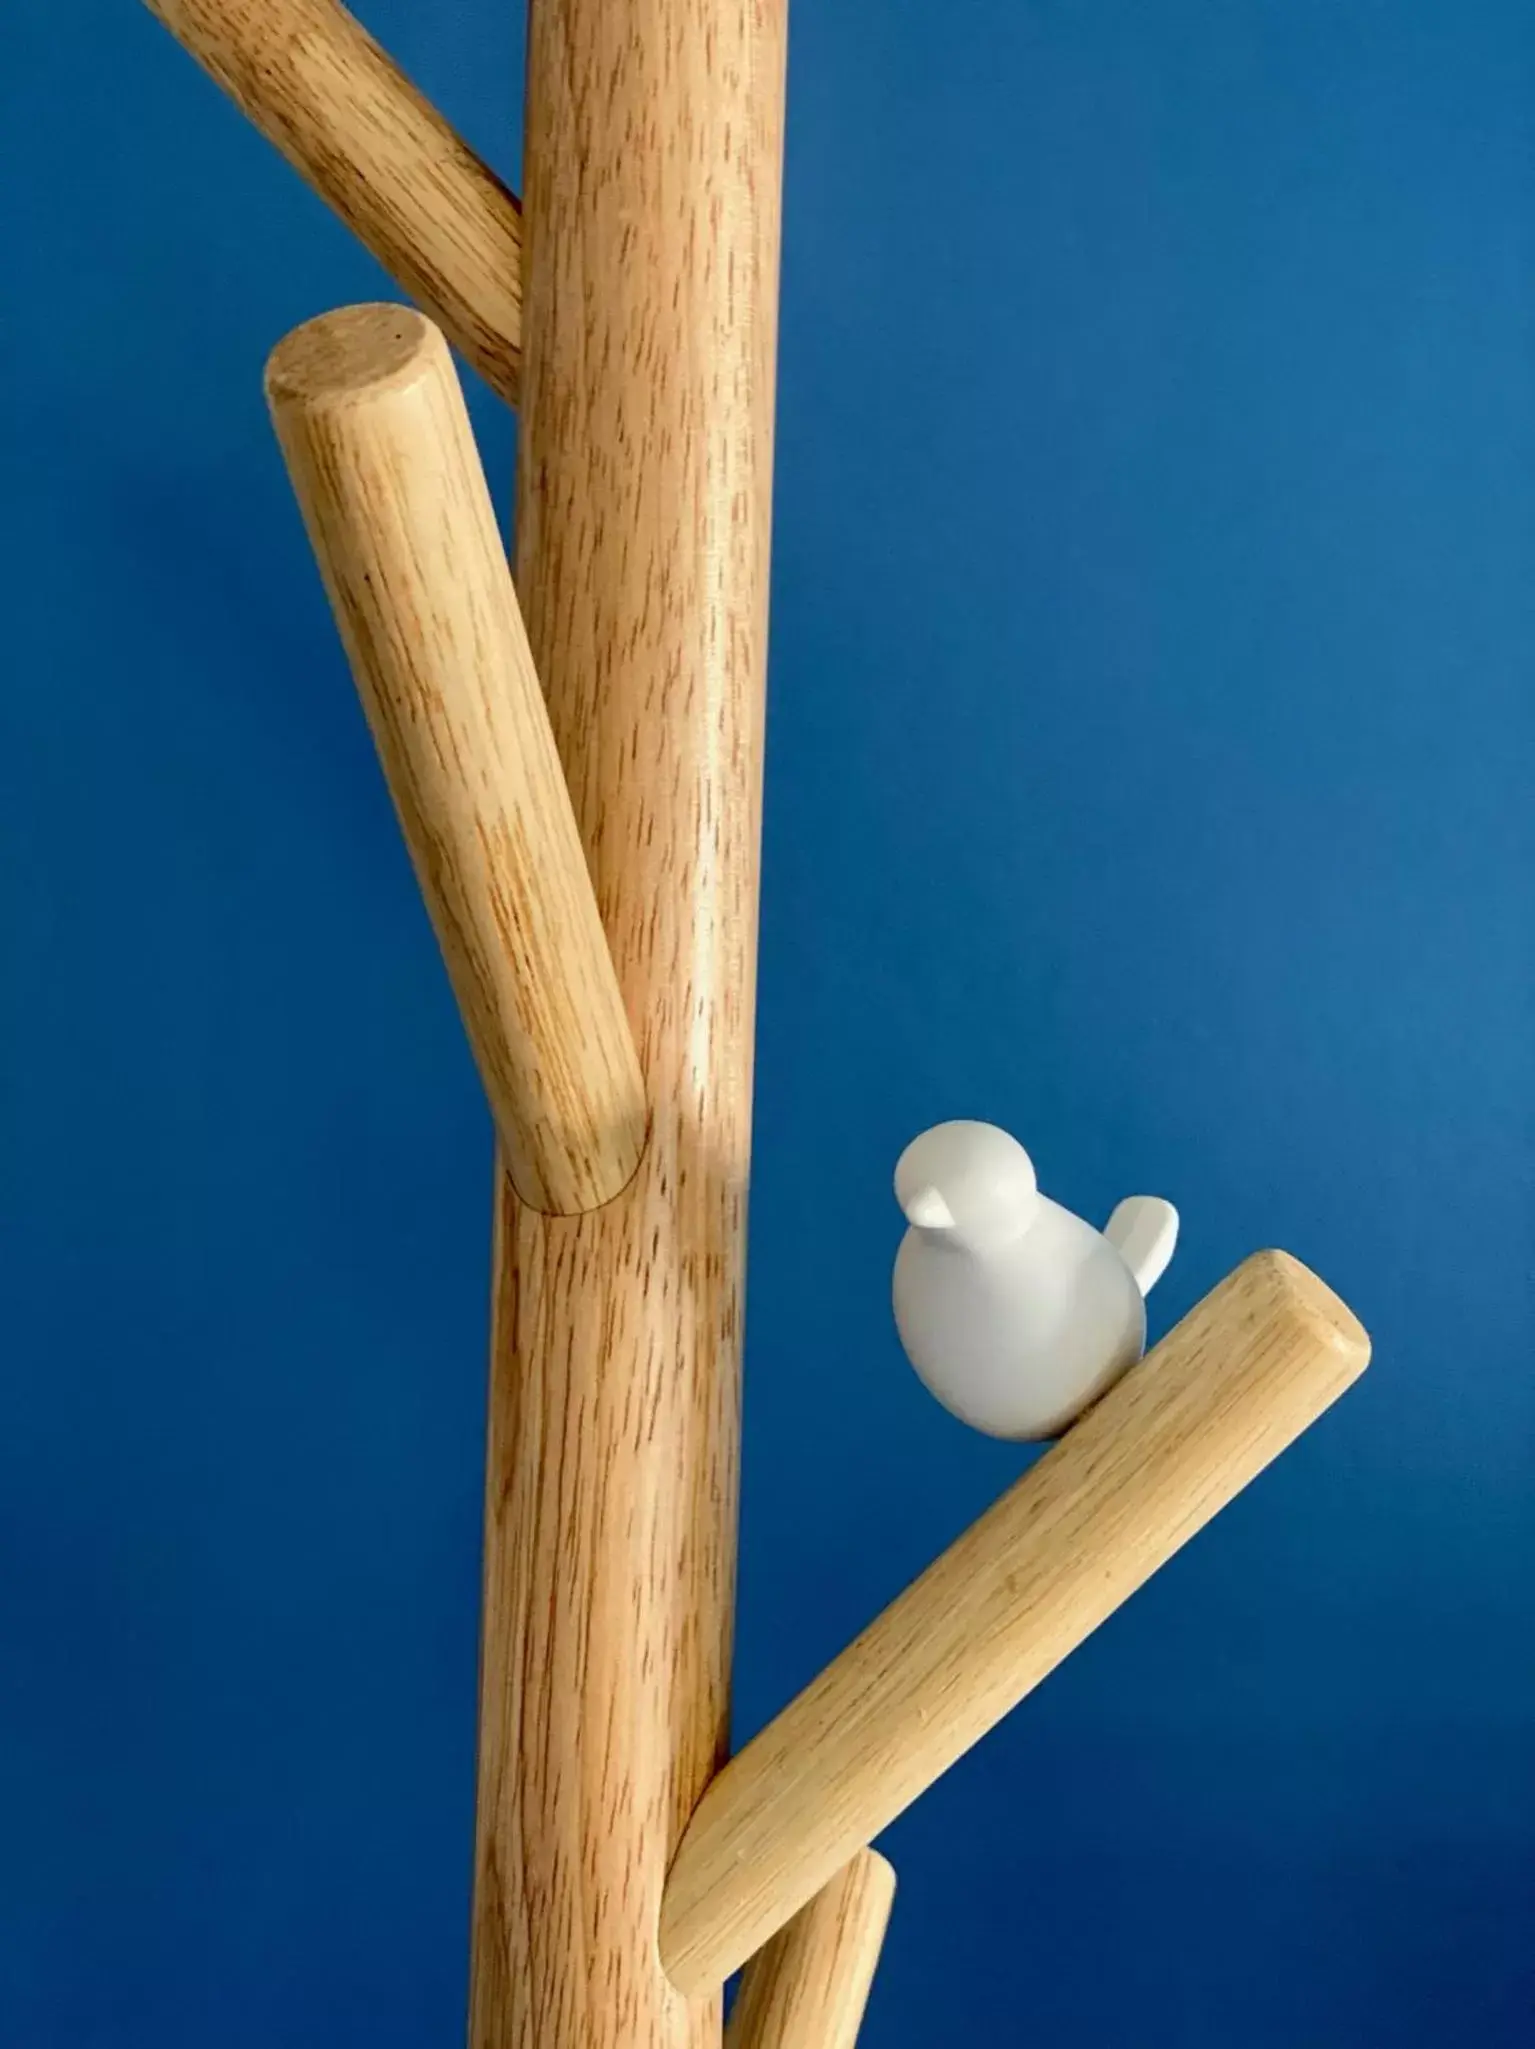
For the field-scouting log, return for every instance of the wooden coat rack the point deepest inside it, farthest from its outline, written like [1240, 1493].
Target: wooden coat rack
[581, 798]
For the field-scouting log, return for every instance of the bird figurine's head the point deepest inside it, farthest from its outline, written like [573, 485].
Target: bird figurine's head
[970, 1183]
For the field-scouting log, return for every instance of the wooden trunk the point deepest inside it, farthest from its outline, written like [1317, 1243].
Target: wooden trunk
[644, 486]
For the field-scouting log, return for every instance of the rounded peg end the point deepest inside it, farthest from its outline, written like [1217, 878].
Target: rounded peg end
[355, 352]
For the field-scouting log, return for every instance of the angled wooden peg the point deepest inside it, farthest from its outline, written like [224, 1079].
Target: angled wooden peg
[807, 1989]
[347, 118]
[379, 447]
[1224, 1393]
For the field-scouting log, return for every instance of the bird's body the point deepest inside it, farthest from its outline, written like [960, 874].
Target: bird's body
[1015, 1312]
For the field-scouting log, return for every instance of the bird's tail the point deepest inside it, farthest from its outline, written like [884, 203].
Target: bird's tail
[1143, 1231]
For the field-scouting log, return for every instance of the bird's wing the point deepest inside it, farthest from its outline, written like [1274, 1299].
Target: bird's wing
[1143, 1231]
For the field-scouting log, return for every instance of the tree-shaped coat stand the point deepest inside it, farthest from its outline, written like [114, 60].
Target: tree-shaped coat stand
[581, 798]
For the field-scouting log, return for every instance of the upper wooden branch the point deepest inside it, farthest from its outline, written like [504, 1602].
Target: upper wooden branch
[1240, 1378]
[316, 84]
[379, 447]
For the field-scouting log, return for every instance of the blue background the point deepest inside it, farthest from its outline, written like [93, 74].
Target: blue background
[1150, 770]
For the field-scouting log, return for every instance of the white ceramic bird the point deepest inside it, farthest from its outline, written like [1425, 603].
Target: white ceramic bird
[1015, 1313]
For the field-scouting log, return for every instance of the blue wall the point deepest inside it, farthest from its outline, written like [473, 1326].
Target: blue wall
[1151, 747]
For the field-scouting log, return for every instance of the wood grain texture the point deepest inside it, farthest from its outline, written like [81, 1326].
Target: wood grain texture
[807, 1989]
[379, 447]
[1238, 1379]
[652, 194]
[347, 118]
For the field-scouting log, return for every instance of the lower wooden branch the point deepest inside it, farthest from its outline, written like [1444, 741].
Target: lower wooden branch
[1238, 1379]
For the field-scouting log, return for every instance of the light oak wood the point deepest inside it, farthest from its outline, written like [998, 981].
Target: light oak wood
[1238, 1379]
[654, 147]
[652, 194]
[379, 447]
[346, 117]
[807, 1989]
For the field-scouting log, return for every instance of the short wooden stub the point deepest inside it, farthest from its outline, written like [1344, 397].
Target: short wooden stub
[347, 118]
[1224, 1393]
[808, 1988]
[378, 445]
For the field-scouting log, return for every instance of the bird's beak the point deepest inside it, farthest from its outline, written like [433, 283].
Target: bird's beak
[929, 1212]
